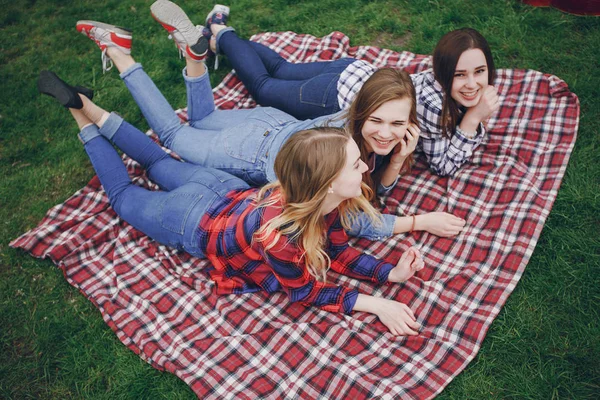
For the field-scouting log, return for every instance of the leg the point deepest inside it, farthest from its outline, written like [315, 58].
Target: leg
[167, 172]
[236, 150]
[170, 218]
[304, 99]
[156, 109]
[280, 68]
[115, 43]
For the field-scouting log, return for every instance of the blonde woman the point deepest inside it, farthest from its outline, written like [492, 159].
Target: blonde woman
[283, 237]
[246, 142]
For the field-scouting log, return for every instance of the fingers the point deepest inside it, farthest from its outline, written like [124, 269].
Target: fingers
[403, 257]
[400, 320]
[418, 264]
[414, 131]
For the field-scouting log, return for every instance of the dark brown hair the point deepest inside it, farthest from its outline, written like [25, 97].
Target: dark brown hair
[445, 57]
[384, 85]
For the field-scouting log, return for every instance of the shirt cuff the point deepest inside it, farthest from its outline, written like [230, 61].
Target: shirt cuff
[382, 189]
[383, 273]
[471, 140]
[349, 301]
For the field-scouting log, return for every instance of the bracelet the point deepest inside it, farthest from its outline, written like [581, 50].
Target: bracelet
[412, 228]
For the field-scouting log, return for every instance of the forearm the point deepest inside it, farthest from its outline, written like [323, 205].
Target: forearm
[391, 173]
[469, 126]
[407, 224]
[366, 303]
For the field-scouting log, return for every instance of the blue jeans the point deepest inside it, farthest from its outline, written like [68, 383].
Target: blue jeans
[243, 143]
[170, 216]
[304, 90]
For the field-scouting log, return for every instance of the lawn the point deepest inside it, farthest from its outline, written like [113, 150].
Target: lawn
[54, 344]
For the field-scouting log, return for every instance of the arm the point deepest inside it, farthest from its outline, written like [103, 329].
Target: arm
[348, 261]
[397, 317]
[437, 223]
[445, 155]
[364, 227]
[403, 149]
[285, 260]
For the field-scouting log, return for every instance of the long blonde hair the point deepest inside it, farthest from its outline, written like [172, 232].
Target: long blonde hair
[306, 165]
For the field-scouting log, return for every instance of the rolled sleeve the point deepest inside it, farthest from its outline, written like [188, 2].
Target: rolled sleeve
[364, 227]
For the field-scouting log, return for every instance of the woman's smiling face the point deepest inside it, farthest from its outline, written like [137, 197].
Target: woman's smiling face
[386, 126]
[470, 78]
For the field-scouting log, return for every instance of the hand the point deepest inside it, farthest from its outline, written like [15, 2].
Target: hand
[397, 317]
[440, 224]
[407, 145]
[487, 105]
[410, 262]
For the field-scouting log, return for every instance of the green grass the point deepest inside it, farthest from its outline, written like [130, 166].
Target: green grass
[545, 344]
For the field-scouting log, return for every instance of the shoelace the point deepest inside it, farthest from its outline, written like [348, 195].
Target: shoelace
[107, 63]
[180, 50]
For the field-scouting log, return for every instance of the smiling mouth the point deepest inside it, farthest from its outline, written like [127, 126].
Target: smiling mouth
[383, 142]
[470, 95]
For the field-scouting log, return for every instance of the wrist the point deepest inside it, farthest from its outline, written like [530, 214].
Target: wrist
[366, 303]
[469, 125]
[420, 222]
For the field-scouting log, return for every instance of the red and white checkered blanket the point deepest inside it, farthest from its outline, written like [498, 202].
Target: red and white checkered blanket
[161, 303]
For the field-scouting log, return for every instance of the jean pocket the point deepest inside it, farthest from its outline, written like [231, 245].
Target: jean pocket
[176, 209]
[316, 91]
[244, 142]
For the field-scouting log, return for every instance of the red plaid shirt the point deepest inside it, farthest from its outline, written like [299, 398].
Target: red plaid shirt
[242, 265]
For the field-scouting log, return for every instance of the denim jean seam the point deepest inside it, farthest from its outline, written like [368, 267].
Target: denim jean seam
[323, 102]
[180, 230]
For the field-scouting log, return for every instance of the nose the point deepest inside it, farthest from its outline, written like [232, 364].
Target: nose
[385, 132]
[363, 167]
[471, 80]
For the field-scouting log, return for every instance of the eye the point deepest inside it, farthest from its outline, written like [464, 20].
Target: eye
[459, 75]
[399, 123]
[374, 120]
[480, 71]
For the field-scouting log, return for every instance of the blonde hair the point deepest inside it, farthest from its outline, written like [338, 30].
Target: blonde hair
[306, 165]
[386, 84]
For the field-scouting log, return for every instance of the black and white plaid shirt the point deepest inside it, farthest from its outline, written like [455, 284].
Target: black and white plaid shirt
[444, 154]
[352, 80]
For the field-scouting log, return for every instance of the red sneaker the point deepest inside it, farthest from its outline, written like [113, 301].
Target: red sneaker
[105, 36]
[187, 37]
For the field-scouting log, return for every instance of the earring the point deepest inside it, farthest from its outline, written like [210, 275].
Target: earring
[330, 191]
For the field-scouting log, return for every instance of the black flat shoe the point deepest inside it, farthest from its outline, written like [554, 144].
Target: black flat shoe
[89, 93]
[49, 83]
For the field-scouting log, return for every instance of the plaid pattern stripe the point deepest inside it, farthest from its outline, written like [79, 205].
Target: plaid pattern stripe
[162, 304]
[244, 265]
[444, 154]
[352, 80]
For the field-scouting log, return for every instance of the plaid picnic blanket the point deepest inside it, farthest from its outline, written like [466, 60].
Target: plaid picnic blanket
[161, 303]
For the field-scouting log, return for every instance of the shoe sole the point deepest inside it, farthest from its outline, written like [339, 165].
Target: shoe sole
[172, 18]
[50, 84]
[119, 30]
[118, 35]
[218, 8]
